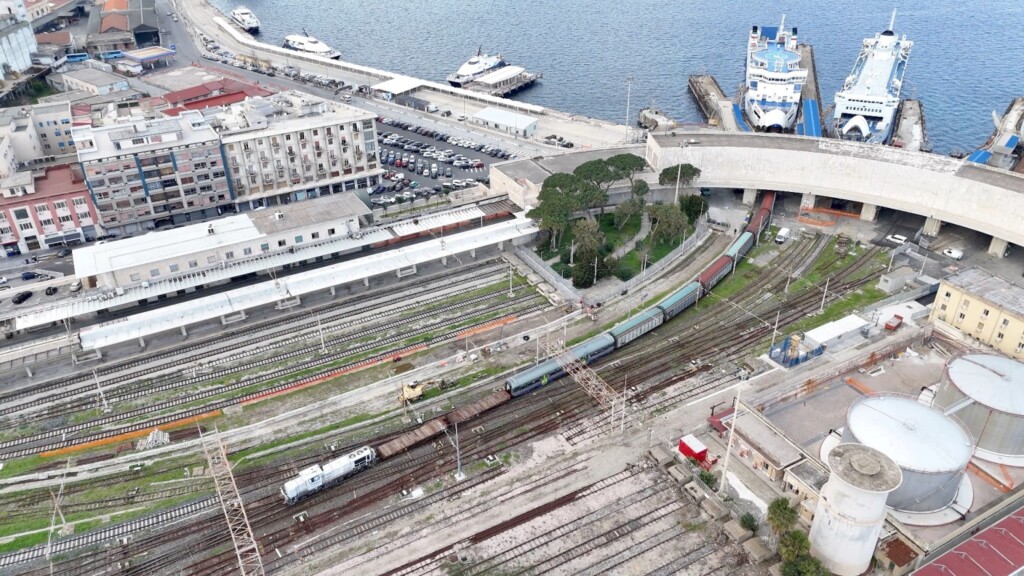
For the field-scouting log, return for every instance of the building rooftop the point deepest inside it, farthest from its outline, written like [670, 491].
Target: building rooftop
[991, 288]
[94, 76]
[60, 38]
[335, 207]
[769, 443]
[504, 117]
[58, 180]
[811, 473]
[99, 142]
[865, 468]
[996, 551]
[280, 113]
[213, 88]
[995, 381]
[500, 75]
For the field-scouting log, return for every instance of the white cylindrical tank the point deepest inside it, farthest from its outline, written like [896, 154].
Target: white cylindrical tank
[986, 393]
[851, 508]
[931, 449]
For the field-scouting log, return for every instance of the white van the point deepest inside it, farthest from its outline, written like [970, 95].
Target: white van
[782, 236]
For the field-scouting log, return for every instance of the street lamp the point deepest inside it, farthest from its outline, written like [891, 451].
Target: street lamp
[679, 171]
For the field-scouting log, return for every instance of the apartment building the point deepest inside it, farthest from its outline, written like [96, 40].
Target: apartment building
[43, 208]
[145, 173]
[292, 146]
[984, 308]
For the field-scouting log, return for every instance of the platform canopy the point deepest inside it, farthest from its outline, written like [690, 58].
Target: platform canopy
[150, 54]
[399, 85]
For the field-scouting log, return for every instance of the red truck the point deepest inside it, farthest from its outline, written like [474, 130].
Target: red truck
[895, 322]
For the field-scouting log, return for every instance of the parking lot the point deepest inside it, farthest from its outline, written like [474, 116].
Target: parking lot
[422, 161]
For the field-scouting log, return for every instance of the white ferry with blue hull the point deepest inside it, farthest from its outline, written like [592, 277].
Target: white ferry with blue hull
[774, 78]
[866, 106]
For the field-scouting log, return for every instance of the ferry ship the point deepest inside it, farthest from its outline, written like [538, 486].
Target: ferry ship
[246, 20]
[771, 99]
[310, 45]
[476, 67]
[867, 104]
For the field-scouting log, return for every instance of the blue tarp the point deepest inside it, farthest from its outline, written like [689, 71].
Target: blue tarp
[979, 156]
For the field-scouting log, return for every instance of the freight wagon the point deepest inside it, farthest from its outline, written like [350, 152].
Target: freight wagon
[680, 301]
[640, 324]
[740, 247]
[713, 274]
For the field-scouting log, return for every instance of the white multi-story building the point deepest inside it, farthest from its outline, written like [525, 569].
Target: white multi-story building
[17, 39]
[144, 173]
[292, 146]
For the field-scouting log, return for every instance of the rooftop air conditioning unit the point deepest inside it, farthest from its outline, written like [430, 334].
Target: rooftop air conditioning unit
[278, 216]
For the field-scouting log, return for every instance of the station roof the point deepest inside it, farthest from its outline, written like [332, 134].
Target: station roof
[835, 329]
[504, 117]
[149, 54]
[233, 301]
[997, 551]
[399, 85]
[501, 74]
[766, 441]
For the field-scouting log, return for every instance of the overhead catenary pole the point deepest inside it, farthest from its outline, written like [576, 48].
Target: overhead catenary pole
[775, 330]
[824, 293]
[729, 445]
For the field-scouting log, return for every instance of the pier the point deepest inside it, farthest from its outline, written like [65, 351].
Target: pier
[710, 97]
[1001, 150]
[504, 81]
[808, 120]
[910, 133]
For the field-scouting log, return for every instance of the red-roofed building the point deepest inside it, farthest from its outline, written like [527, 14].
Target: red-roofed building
[40, 210]
[214, 88]
[217, 101]
[995, 551]
[63, 39]
[113, 23]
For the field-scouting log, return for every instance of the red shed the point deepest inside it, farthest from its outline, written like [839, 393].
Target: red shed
[690, 447]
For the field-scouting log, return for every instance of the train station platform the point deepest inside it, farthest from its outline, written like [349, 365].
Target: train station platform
[90, 302]
[288, 291]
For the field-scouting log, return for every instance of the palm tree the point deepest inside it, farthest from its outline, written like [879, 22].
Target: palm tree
[781, 518]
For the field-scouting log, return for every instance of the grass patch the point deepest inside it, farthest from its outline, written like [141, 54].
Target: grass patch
[614, 235]
[21, 542]
[352, 421]
[20, 466]
[843, 307]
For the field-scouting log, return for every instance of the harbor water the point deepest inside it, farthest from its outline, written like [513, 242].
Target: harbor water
[965, 63]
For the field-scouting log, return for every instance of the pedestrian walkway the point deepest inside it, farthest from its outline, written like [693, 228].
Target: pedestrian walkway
[645, 229]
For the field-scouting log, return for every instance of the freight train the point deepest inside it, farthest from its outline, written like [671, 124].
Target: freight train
[319, 477]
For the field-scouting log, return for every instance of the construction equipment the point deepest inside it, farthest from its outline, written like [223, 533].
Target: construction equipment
[415, 390]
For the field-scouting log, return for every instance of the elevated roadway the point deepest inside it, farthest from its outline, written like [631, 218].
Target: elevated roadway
[939, 188]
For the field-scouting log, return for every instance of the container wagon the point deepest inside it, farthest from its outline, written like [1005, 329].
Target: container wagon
[680, 301]
[740, 247]
[713, 274]
[640, 324]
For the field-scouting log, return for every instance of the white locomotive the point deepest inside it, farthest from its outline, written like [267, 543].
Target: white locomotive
[317, 477]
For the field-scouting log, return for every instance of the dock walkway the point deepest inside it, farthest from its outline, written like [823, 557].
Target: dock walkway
[809, 119]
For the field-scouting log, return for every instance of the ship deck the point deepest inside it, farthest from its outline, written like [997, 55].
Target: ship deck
[776, 58]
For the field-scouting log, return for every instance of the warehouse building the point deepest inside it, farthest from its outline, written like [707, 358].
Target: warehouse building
[506, 121]
[985, 308]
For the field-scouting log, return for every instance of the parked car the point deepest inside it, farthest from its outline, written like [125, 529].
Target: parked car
[897, 239]
[64, 252]
[954, 253]
[21, 297]
[51, 290]
[76, 286]
[28, 275]
[3, 279]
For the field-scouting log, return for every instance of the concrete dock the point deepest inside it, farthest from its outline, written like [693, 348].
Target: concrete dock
[809, 120]
[711, 99]
[910, 133]
[1001, 150]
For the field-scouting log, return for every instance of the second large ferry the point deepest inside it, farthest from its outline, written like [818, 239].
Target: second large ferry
[867, 104]
[771, 98]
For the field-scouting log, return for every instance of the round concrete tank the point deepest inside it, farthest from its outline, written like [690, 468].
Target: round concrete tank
[986, 393]
[851, 508]
[931, 449]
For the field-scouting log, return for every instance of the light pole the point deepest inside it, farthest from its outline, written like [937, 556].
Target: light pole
[679, 171]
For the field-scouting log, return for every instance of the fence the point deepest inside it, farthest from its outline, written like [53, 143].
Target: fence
[564, 286]
[699, 234]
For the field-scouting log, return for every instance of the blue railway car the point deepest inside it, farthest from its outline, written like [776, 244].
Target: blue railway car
[680, 301]
[636, 327]
[740, 247]
[529, 380]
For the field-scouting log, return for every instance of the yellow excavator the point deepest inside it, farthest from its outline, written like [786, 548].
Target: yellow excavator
[414, 391]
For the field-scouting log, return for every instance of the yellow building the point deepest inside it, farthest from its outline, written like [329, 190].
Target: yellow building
[983, 308]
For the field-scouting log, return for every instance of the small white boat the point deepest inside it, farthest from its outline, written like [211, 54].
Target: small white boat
[310, 45]
[246, 20]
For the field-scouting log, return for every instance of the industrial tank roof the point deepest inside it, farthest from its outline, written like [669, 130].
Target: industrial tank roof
[865, 468]
[994, 381]
[916, 436]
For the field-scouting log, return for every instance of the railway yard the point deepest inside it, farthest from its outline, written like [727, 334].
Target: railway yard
[542, 482]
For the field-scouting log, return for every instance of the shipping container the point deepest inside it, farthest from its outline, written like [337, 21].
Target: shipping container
[713, 274]
[740, 247]
[636, 327]
[680, 301]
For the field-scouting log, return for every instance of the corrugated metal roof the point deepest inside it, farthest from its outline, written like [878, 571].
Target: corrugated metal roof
[996, 551]
[504, 117]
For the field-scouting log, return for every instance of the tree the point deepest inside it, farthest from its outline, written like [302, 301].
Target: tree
[793, 545]
[749, 522]
[588, 237]
[668, 222]
[623, 212]
[781, 516]
[627, 165]
[806, 565]
[687, 174]
[560, 196]
[639, 189]
[693, 206]
[600, 176]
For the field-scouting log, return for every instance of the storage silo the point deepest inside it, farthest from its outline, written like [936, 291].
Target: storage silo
[986, 393]
[851, 508]
[931, 449]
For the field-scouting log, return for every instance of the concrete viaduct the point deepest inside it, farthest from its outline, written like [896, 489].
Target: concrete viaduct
[939, 188]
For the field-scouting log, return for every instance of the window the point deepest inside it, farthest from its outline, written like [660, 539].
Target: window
[229, 255]
[247, 251]
[45, 222]
[943, 307]
[281, 243]
[330, 231]
[65, 219]
[25, 226]
[211, 259]
[981, 326]
[193, 264]
[173, 268]
[984, 312]
[999, 337]
[42, 209]
[1005, 322]
[298, 239]
[315, 235]
[60, 205]
[135, 277]
[946, 295]
[265, 247]
[154, 272]
[1020, 347]
[959, 317]
[21, 213]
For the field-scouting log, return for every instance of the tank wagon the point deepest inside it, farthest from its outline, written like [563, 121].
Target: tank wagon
[316, 478]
